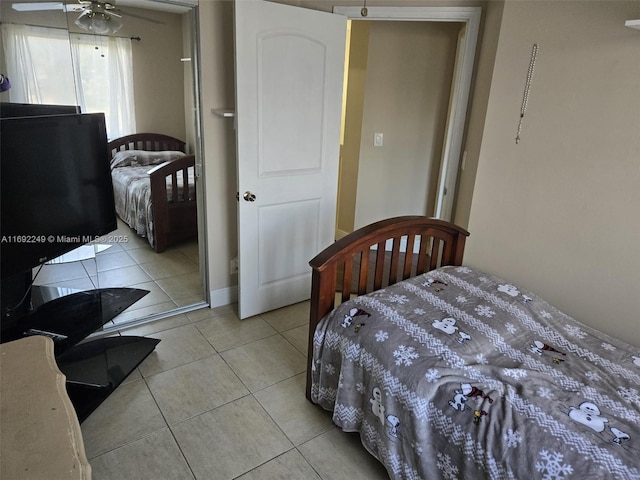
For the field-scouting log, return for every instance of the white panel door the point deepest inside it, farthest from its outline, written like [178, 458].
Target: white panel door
[289, 74]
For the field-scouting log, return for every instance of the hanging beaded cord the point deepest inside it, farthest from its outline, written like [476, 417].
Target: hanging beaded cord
[527, 87]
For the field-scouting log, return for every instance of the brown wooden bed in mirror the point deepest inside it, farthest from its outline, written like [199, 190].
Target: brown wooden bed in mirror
[174, 211]
[376, 256]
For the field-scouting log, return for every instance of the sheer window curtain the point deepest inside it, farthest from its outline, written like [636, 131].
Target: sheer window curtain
[38, 63]
[47, 65]
[104, 77]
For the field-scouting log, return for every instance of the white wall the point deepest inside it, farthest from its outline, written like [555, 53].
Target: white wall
[559, 212]
[158, 75]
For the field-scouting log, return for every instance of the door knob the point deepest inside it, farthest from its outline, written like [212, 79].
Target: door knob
[249, 197]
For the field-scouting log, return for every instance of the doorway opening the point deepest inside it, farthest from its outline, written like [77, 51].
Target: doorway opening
[407, 80]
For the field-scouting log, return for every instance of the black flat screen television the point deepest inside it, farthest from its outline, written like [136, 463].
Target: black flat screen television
[11, 109]
[56, 192]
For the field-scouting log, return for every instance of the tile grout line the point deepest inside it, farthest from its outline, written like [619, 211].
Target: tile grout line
[166, 421]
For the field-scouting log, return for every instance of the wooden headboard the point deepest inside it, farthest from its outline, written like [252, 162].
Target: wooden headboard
[151, 142]
[376, 256]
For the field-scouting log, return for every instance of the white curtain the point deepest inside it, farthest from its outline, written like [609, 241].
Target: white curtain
[47, 65]
[38, 63]
[104, 76]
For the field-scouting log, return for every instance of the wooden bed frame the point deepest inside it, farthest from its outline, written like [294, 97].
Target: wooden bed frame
[174, 221]
[350, 267]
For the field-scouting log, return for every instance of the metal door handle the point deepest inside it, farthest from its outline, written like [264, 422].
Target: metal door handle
[249, 197]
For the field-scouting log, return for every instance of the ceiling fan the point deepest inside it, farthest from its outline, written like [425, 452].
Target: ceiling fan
[96, 16]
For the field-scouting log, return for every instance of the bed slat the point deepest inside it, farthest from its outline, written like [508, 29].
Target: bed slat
[408, 257]
[380, 259]
[435, 254]
[346, 281]
[364, 270]
[422, 256]
[395, 254]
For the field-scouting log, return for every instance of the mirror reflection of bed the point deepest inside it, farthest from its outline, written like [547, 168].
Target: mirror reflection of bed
[127, 259]
[155, 245]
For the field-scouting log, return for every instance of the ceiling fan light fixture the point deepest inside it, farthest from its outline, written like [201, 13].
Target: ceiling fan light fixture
[105, 24]
[100, 23]
[84, 20]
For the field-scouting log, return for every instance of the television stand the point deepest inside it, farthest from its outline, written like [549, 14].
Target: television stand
[68, 318]
[93, 368]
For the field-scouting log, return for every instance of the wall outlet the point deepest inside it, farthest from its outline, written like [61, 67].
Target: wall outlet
[233, 266]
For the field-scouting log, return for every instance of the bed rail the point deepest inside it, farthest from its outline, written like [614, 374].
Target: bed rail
[174, 203]
[376, 256]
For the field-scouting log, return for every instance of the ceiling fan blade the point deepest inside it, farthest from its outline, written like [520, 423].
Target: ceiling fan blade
[35, 7]
[45, 6]
[108, 8]
[113, 13]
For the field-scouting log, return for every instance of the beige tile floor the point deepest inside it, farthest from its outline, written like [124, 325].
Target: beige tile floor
[172, 277]
[221, 398]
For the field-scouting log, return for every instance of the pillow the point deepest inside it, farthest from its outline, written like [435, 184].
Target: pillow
[142, 158]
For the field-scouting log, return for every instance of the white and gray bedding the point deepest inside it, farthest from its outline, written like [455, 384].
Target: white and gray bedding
[457, 374]
[132, 190]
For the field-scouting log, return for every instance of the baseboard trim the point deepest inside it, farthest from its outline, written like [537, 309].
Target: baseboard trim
[223, 296]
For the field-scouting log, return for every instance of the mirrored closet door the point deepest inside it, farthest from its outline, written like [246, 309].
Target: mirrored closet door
[134, 62]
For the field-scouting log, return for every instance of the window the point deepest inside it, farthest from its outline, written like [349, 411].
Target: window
[49, 65]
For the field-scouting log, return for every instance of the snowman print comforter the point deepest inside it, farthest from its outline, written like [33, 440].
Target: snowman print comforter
[456, 374]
